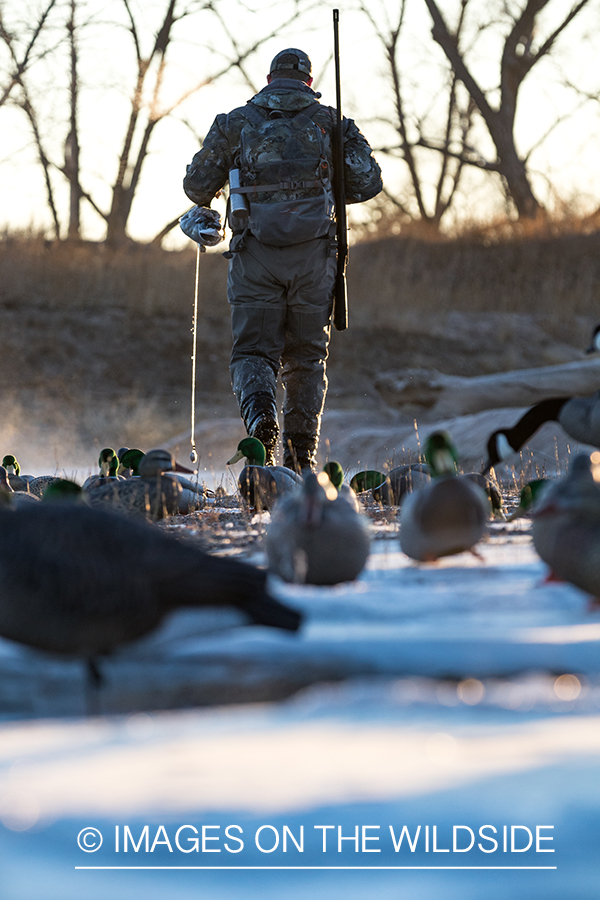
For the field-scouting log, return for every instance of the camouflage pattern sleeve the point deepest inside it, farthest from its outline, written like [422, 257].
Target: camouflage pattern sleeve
[209, 169]
[362, 173]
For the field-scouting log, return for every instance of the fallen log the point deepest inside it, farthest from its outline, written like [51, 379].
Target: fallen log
[429, 394]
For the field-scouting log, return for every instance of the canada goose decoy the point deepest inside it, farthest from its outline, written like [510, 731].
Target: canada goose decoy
[447, 516]
[315, 537]
[335, 473]
[566, 527]
[389, 489]
[93, 580]
[578, 416]
[153, 495]
[260, 485]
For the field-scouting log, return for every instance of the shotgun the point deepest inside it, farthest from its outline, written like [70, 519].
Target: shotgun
[340, 299]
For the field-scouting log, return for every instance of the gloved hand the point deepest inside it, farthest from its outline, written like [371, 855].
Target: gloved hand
[202, 225]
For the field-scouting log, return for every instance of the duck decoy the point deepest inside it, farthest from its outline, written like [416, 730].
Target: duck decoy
[528, 497]
[315, 537]
[578, 416]
[17, 481]
[10, 496]
[108, 461]
[389, 489]
[153, 495]
[261, 486]
[335, 473]
[129, 461]
[566, 527]
[93, 580]
[447, 516]
[63, 490]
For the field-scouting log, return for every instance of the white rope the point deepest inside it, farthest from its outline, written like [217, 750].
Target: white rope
[194, 454]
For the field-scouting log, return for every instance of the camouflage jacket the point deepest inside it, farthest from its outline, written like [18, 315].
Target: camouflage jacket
[209, 170]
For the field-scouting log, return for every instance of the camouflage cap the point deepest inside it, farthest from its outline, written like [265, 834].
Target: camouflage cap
[291, 59]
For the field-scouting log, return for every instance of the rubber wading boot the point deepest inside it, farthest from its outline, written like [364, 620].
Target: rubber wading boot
[300, 452]
[259, 412]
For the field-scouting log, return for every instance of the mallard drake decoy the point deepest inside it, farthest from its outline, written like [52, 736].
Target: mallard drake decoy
[63, 490]
[315, 537]
[529, 495]
[446, 516]
[335, 473]
[389, 489]
[260, 485]
[17, 481]
[566, 527]
[92, 580]
[108, 461]
[153, 495]
[578, 416]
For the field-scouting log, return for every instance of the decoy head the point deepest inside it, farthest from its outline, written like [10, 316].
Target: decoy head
[335, 473]
[108, 462]
[155, 462]
[440, 454]
[131, 459]
[250, 449]
[367, 480]
[499, 449]
[63, 491]
[317, 490]
[11, 465]
[595, 341]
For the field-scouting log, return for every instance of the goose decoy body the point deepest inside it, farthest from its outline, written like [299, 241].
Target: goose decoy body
[153, 495]
[566, 527]
[261, 486]
[316, 537]
[578, 416]
[447, 516]
[94, 580]
[389, 489]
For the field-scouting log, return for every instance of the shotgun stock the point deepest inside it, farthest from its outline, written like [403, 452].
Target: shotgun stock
[340, 298]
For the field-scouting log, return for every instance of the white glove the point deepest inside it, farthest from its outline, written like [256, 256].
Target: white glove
[202, 225]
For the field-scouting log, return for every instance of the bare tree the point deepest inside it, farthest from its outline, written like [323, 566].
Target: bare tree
[522, 49]
[21, 57]
[147, 109]
[411, 129]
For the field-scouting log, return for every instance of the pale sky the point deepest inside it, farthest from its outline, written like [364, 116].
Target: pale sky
[567, 162]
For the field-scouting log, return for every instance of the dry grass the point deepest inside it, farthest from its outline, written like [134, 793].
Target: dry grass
[389, 280]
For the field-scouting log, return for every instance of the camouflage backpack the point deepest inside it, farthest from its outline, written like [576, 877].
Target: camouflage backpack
[285, 175]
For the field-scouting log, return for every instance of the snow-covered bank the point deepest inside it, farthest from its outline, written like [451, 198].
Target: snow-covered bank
[375, 754]
[462, 618]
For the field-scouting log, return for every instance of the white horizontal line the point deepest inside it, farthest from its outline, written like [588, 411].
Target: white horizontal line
[311, 868]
